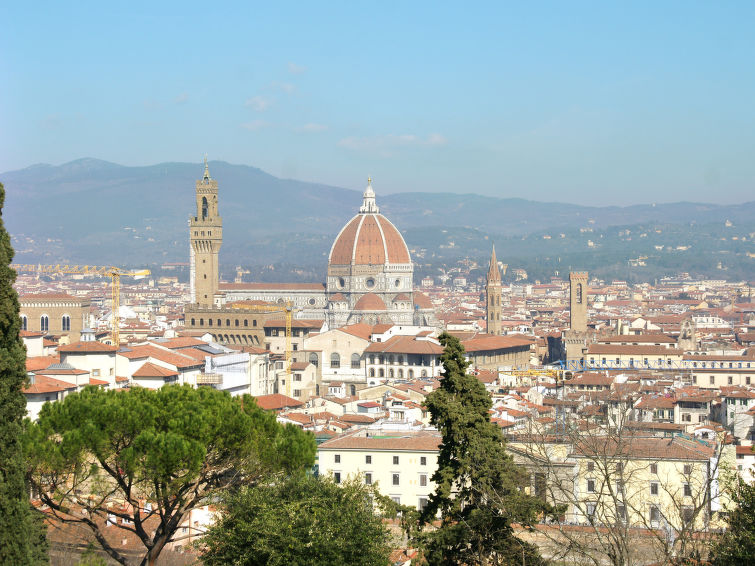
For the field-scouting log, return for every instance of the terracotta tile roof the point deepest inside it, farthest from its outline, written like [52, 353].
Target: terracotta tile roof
[148, 369]
[337, 298]
[370, 302]
[590, 378]
[170, 357]
[360, 330]
[45, 384]
[182, 342]
[485, 342]
[654, 448]
[656, 402]
[422, 441]
[299, 366]
[422, 301]
[737, 392]
[93, 381]
[381, 328]
[276, 401]
[86, 348]
[30, 334]
[357, 419]
[405, 345]
[35, 363]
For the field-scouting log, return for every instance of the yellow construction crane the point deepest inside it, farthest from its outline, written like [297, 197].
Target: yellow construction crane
[115, 274]
[286, 308]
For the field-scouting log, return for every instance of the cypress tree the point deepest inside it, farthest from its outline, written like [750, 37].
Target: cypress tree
[479, 490]
[20, 535]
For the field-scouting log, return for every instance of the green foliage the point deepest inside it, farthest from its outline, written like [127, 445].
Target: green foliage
[479, 489]
[175, 446]
[302, 520]
[91, 558]
[737, 545]
[22, 539]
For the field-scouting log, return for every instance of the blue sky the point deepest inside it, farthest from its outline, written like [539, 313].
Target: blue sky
[585, 102]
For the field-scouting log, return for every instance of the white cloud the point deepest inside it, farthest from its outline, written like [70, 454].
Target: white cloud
[288, 88]
[312, 127]
[295, 69]
[182, 98]
[255, 125]
[259, 103]
[390, 141]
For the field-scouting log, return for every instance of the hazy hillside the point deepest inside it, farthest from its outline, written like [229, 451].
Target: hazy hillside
[94, 211]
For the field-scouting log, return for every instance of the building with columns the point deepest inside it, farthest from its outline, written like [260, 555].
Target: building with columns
[493, 297]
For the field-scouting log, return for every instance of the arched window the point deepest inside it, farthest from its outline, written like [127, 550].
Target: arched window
[335, 360]
[390, 373]
[220, 322]
[355, 361]
[254, 322]
[313, 359]
[201, 322]
[65, 323]
[372, 359]
[246, 322]
[237, 322]
[193, 322]
[24, 322]
[44, 323]
[424, 373]
[390, 359]
[381, 372]
[228, 322]
[372, 372]
[401, 359]
[204, 208]
[400, 374]
[411, 374]
[380, 359]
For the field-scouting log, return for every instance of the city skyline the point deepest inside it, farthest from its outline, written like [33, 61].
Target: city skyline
[586, 103]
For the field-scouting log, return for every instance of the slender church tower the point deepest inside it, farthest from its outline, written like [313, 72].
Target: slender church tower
[578, 301]
[493, 292]
[206, 235]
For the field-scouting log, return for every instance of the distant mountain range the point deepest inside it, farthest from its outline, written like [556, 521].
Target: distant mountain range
[94, 211]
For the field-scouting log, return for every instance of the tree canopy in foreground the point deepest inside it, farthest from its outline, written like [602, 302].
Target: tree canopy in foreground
[736, 546]
[22, 538]
[303, 520]
[147, 457]
[479, 490]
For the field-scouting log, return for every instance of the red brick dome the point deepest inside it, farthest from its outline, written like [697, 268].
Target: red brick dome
[369, 239]
[370, 302]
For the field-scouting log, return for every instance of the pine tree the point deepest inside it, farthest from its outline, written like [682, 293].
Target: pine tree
[737, 545]
[20, 535]
[479, 488]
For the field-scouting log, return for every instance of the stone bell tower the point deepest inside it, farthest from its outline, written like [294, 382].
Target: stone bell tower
[206, 235]
[493, 294]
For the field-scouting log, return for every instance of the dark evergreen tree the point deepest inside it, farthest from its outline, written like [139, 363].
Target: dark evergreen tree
[21, 536]
[737, 545]
[479, 489]
[301, 520]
